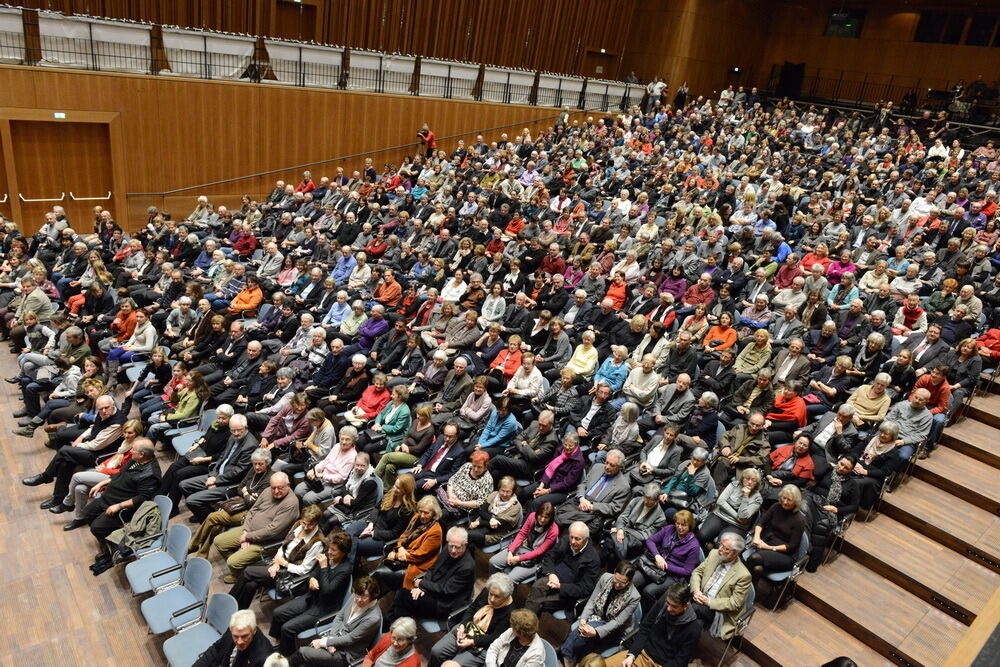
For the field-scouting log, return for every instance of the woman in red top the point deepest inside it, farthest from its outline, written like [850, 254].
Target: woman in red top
[817, 256]
[505, 364]
[789, 411]
[618, 291]
[372, 400]
[396, 647]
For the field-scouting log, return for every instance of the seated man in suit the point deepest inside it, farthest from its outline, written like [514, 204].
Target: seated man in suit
[204, 492]
[601, 495]
[834, 432]
[739, 448]
[783, 329]
[446, 586]
[593, 415]
[721, 584]
[530, 450]
[437, 464]
[674, 405]
[242, 645]
[568, 573]
[717, 376]
[240, 375]
[928, 349]
[790, 364]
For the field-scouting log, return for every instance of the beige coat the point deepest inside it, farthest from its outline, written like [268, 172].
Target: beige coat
[732, 595]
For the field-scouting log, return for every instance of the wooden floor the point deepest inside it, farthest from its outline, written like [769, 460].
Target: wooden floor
[53, 611]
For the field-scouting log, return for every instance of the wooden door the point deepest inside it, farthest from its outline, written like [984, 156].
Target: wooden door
[597, 65]
[5, 197]
[62, 164]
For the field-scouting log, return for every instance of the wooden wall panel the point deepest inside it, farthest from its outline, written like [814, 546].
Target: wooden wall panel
[697, 42]
[550, 35]
[179, 133]
[884, 51]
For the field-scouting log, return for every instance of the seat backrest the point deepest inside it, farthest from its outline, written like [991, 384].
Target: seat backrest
[803, 546]
[197, 577]
[551, 659]
[545, 385]
[178, 538]
[379, 490]
[265, 308]
[711, 491]
[221, 607]
[720, 430]
[207, 417]
[751, 595]
[637, 617]
[166, 506]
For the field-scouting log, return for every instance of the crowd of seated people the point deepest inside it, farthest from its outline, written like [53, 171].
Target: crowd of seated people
[639, 359]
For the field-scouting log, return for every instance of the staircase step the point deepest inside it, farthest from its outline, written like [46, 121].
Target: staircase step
[975, 438]
[798, 635]
[986, 408]
[926, 568]
[958, 525]
[962, 476]
[890, 620]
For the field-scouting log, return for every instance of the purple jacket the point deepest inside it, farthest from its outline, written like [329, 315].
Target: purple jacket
[681, 554]
[369, 331]
[567, 476]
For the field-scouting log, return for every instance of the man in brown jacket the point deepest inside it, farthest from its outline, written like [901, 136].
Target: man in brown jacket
[268, 521]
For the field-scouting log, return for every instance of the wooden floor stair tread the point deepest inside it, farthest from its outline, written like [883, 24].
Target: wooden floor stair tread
[922, 565]
[986, 409]
[962, 476]
[976, 439]
[879, 612]
[798, 635]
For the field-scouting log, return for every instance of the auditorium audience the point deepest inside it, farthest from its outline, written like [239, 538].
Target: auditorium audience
[654, 334]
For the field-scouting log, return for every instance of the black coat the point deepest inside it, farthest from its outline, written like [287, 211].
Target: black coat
[217, 655]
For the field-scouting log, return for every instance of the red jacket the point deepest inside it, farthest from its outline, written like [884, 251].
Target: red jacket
[245, 244]
[804, 466]
[383, 645]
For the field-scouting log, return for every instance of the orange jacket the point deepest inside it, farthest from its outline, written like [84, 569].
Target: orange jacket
[421, 552]
[248, 299]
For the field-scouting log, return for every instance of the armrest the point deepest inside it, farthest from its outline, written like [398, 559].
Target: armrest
[184, 610]
[148, 538]
[166, 570]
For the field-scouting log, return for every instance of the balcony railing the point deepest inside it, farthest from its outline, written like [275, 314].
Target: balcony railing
[51, 39]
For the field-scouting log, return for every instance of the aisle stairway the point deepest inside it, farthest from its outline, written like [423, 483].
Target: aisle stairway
[908, 584]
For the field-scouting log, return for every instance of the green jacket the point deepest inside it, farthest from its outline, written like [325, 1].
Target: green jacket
[187, 404]
[396, 427]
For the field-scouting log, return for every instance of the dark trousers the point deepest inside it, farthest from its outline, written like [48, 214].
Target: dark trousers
[64, 464]
[250, 581]
[542, 598]
[289, 620]
[506, 465]
[32, 395]
[179, 470]
[307, 655]
[424, 607]
[102, 525]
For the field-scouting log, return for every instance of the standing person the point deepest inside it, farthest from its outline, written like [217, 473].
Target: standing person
[426, 136]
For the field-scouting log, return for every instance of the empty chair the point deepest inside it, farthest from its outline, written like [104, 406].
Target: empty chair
[172, 608]
[164, 567]
[183, 649]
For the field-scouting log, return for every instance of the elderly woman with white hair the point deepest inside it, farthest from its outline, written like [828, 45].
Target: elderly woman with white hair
[482, 623]
[397, 647]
